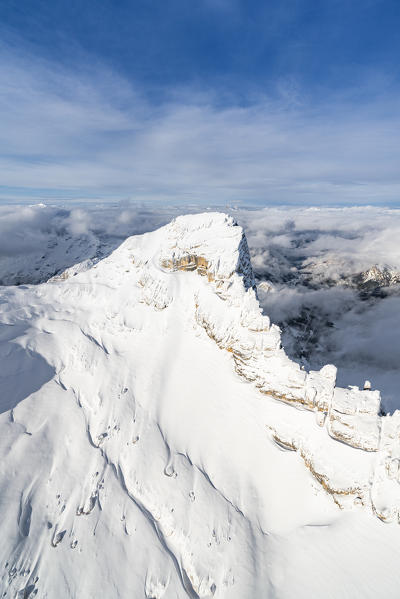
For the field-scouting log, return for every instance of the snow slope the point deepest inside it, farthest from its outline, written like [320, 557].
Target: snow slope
[156, 441]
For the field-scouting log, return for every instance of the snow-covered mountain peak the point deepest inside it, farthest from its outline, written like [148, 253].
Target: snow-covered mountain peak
[151, 418]
[212, 243]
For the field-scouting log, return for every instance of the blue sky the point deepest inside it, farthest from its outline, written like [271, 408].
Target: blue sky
[212, 101]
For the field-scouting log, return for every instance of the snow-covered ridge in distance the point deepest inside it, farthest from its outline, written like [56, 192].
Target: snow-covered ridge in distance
[156, 441]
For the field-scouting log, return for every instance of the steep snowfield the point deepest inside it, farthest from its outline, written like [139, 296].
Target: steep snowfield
[157, 442]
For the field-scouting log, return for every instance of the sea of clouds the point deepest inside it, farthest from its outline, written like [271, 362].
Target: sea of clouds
[305, 261]
[311, 257]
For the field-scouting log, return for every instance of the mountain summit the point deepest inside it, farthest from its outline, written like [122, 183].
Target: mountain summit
[157, 442]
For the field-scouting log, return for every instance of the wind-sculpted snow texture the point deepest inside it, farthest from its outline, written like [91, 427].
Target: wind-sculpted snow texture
[168, 447]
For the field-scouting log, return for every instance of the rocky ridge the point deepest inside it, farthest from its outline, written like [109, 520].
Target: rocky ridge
[351, 416]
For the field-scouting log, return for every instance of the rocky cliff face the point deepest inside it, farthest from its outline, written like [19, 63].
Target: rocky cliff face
[162, 428]
[351, 416]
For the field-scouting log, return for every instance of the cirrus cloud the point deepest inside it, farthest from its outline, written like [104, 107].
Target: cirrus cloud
[88, 133]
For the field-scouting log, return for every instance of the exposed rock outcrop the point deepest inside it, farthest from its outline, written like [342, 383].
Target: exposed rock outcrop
[350, 416]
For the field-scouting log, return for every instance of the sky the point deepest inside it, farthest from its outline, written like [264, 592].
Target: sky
[200, 101]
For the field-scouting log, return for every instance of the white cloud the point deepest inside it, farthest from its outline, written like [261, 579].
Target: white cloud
[89, 133]
[332, 241]
[306, 251]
